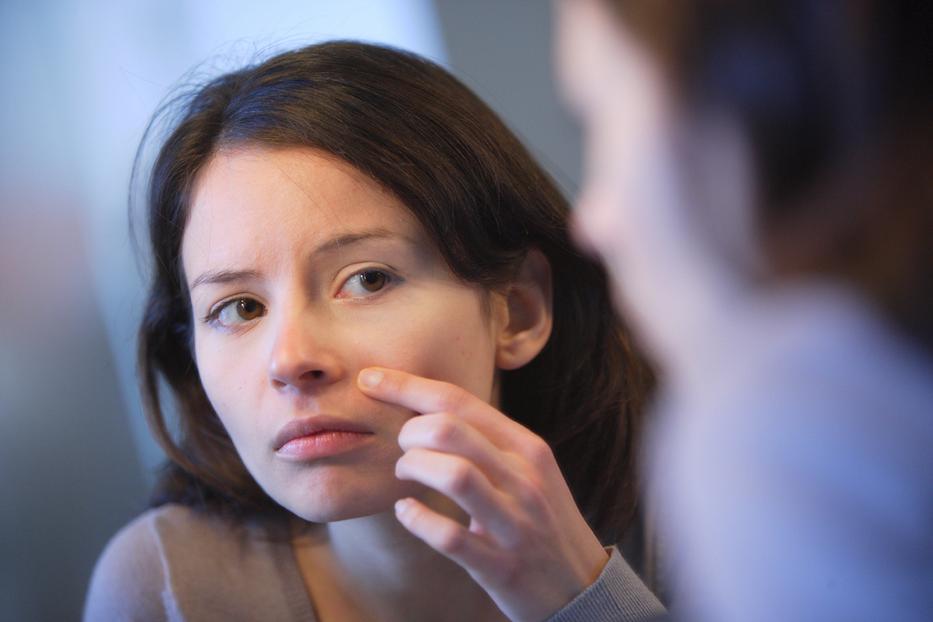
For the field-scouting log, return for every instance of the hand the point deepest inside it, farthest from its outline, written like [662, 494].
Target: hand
[527, 544]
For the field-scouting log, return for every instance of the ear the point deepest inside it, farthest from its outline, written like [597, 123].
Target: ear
[528, 313]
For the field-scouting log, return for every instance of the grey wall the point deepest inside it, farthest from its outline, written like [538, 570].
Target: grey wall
[69, 474]
[502, 50]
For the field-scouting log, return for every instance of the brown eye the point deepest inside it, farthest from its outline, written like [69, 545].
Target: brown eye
[372, 280]
[239, 311]
[248, 309]
[366, 283]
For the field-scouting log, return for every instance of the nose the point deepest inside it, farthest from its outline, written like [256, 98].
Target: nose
[303, 356]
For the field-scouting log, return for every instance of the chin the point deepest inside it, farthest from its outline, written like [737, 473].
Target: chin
[331, 513]
[334, 499]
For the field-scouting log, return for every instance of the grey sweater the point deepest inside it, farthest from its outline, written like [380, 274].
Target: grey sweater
[173, 563]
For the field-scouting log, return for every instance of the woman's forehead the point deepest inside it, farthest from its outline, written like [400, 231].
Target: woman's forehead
[256, 196]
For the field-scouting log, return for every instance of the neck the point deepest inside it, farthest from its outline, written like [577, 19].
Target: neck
[386, 573]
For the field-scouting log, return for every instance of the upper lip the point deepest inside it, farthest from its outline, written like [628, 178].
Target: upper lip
[313, 425]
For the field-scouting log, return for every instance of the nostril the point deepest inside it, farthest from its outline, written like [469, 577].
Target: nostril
[313, 374]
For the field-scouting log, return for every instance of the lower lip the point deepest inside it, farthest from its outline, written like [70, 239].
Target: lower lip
[321, 445]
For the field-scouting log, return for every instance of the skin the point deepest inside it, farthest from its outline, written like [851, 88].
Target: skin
[526, 544]
[643, 159]
[271, 213]
[283, 329]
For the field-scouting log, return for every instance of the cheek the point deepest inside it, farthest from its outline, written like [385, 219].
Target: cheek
[224, 379]
[597, 215]
[595, 223]
[450, 342]
[626, 173]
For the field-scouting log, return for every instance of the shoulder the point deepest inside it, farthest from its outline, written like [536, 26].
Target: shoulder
[821, 401]
[175, 562]
[156, 531]
[129, 579]
[804, 461]
[811, 372]
[137, 574]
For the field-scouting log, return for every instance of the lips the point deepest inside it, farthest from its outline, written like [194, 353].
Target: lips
[318, 425]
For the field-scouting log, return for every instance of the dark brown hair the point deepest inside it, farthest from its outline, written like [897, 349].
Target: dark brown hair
[836, 102]
[424, 136]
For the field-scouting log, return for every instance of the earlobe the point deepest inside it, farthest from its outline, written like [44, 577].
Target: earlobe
[529, 304]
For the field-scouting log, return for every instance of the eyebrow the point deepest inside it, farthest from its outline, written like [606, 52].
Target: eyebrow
[215, 277]
[355, 238]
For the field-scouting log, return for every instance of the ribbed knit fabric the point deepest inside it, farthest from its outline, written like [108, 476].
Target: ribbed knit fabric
[618, 594]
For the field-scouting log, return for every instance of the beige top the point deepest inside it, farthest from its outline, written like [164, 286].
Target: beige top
[174, 563]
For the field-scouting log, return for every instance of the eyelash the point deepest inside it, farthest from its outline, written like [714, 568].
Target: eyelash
[391, 279]
[213, 316]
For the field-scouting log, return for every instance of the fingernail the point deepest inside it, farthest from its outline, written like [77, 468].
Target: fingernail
[370, 378]
[401, 505]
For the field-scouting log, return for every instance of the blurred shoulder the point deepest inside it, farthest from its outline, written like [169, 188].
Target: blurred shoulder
[133, 578]
[129, 578]
[175, 562]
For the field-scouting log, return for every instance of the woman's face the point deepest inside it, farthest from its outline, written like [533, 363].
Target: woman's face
[303, 271]
[629, 202]
[617, 93]
[639, 207]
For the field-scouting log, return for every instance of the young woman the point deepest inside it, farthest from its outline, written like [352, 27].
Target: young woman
[395, 378]
[758, 183]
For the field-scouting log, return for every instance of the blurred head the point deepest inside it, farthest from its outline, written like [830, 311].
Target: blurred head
[346, 205]
[800, 131]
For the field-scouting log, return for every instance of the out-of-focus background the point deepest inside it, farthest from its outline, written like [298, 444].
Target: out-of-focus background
[80, 80]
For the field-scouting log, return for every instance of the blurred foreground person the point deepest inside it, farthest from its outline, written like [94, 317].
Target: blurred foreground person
[758, 181]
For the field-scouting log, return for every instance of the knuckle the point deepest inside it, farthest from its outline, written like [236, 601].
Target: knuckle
[443, 433]
[396, 384]
[531, 496]
[540, 453]
[453, 398]
[460, 478]
[452, 539]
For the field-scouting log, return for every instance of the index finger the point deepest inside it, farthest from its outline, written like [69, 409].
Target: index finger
[426, 396]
